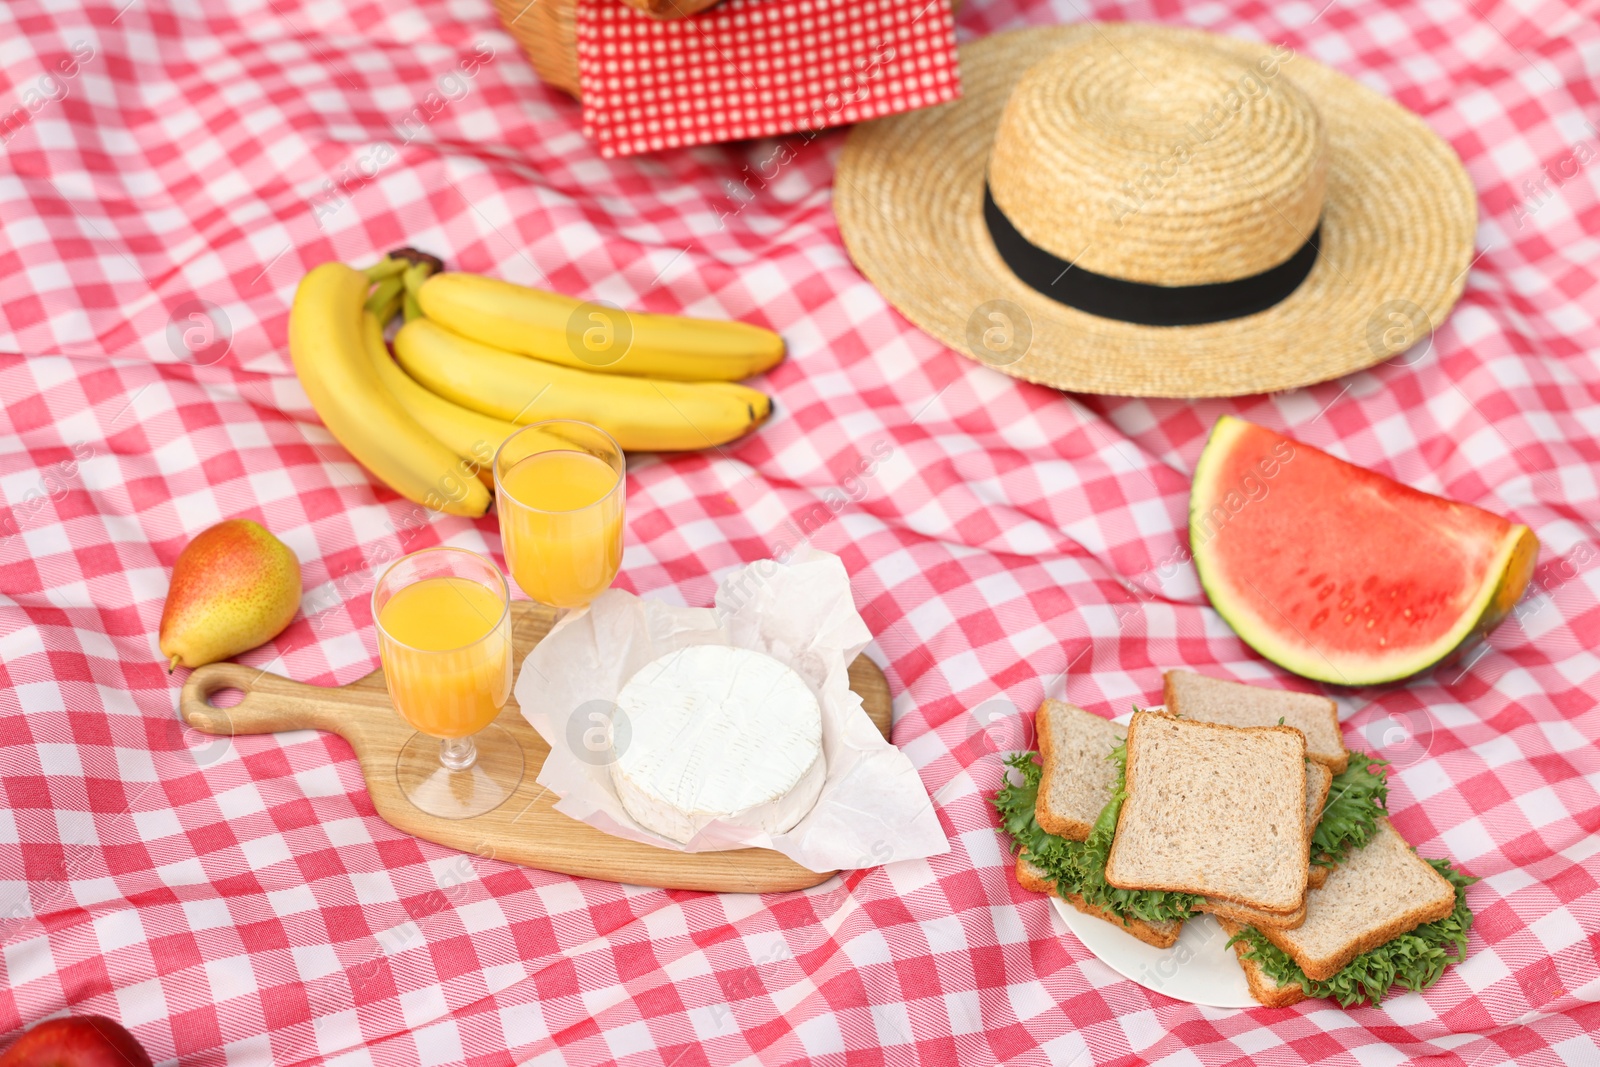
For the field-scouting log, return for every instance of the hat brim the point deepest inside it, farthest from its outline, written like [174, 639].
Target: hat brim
[1398, 221]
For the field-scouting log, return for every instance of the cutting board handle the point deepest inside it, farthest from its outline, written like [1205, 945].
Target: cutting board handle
[271, 702]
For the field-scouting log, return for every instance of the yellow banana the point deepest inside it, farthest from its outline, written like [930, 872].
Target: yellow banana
[330, 356]
[642, 414]
[470, 434]
[594, 337]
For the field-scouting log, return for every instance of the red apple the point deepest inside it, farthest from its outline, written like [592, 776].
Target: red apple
[76, 1041]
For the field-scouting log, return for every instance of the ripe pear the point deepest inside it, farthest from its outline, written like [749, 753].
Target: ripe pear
[234, 587]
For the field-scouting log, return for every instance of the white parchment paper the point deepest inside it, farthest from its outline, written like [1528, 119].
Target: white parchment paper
[873, 808]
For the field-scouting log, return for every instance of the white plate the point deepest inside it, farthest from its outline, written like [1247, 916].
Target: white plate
[1200, 968]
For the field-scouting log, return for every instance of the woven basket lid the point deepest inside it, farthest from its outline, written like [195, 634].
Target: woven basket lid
[1163, 160]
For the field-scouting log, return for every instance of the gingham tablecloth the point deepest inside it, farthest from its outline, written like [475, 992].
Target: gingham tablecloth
[170, 169]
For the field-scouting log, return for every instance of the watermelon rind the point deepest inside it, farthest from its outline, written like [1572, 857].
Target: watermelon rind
[1502, 586]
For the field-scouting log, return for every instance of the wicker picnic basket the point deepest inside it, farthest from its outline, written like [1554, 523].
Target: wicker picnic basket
[547, 30]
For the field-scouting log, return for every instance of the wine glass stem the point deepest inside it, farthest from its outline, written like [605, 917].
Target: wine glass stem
[457, 753]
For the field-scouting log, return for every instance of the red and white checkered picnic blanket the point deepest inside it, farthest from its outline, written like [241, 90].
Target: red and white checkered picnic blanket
[168, 172]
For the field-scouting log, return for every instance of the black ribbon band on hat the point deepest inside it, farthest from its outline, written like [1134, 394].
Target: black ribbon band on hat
[1139, 302]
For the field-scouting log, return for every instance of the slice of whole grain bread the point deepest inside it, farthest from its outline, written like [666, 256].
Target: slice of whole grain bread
[1379, 892]
[1263, 986]
[1074, 746]
[1218, 811]
[1161, 935]
[1206, 699]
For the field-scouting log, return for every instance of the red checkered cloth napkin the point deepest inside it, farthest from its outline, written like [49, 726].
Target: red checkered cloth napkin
[757, 68]
[167, 177]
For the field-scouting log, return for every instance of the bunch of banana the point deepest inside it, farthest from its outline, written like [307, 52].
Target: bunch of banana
[479, 357]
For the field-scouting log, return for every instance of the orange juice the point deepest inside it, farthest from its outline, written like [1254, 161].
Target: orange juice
[446, 647]
[562, 528]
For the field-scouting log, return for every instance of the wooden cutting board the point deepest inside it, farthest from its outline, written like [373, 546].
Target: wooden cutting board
[526, 829]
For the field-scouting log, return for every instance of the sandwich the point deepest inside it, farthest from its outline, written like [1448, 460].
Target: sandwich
[1385, 917]
[1237, 812]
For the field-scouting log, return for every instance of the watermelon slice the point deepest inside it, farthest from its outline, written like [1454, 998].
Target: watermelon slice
[1337, 573]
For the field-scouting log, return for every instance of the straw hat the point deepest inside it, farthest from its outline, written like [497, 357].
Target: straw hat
[1149, 211]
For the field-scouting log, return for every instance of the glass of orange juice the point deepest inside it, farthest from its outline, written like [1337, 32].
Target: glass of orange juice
[444, 632]
[559, 488]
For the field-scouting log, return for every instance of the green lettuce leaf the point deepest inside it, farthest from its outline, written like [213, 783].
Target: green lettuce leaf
[1079, 867]
[1414, 960]
[1356, 799]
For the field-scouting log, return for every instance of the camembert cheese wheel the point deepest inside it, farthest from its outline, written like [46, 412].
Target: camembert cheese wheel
[717, 733]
